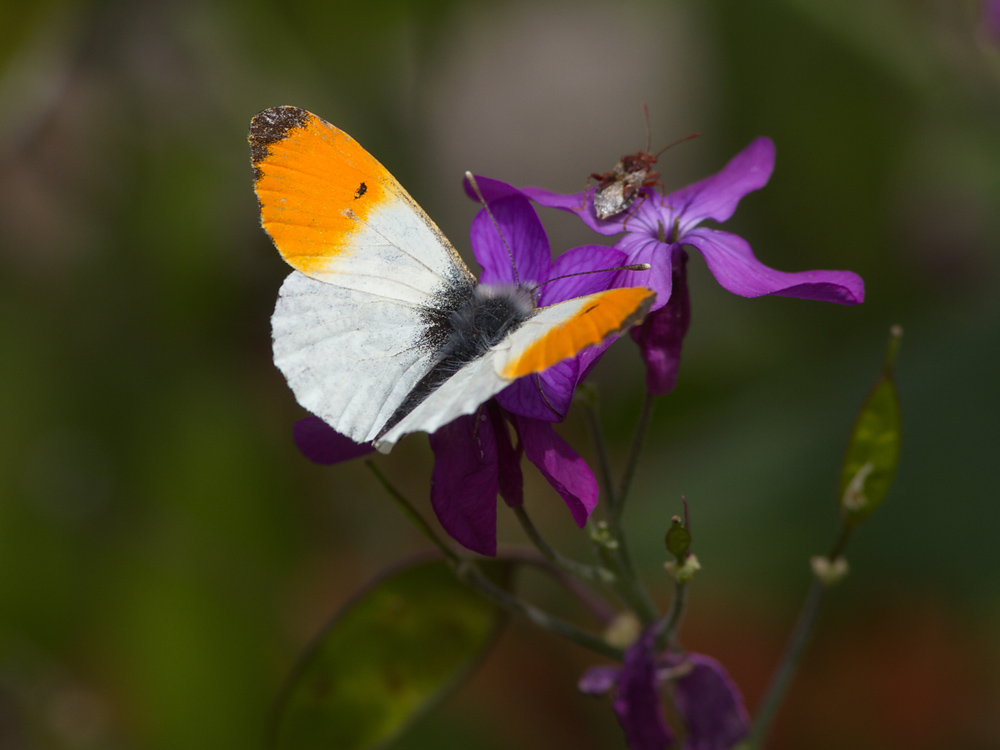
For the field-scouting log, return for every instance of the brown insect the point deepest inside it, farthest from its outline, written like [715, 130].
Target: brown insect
[618, 189]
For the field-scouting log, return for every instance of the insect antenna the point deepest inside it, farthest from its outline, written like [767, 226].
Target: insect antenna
[679, 140]
[479, 194]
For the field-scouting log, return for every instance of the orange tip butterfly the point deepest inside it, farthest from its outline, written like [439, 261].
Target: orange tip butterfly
[381, 329]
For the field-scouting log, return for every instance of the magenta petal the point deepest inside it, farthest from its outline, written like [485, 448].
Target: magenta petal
[523, 238]
[598, 680]
[568, 474]
[464, 481]
[661, 335]
[638, 701]
[320, 443]
[734, 266]
[588, 261]
[641, 248]
[574, 203]
[990, 18]
[509, 477]
[716, 197]
[523, 396]
[711, 706]
[491, 189]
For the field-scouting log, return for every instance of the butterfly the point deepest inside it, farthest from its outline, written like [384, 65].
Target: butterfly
[381, 329]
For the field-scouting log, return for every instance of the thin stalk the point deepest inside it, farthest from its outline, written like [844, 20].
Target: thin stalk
[469, 573]
[414, 515]
[638, 441]
[590, 599]
[617, 557]
[589, 572]
[601, 451]
[793, 651]
[787, 666]
[666, 629]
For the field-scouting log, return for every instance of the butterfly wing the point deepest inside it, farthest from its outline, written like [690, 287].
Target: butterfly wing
[352, 329]
[550, 335]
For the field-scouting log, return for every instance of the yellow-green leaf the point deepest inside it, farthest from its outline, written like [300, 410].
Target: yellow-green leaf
[384, 659]
[873, 449]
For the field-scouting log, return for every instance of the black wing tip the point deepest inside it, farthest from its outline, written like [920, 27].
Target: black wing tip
[271, 126]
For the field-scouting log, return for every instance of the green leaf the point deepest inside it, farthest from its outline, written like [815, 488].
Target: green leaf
[873, 449]
[385, 658]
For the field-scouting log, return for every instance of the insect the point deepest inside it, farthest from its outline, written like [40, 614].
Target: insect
[381, 329]
[618, 189]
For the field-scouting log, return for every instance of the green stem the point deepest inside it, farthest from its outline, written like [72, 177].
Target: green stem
[471, 574]
[787, 666]
[467, 571]
[616, 555]
[589, 572]
[638, 441]
[666, 630]
[629, 586]
[601, 451]
[414, 515]
[793, 651]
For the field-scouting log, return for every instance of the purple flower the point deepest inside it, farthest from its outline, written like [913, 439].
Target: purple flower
[477, 457]
[990, 20]
[706, 699]
[657, 228]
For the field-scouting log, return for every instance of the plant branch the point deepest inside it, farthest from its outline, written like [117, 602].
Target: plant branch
[468, 572]
[588, 572]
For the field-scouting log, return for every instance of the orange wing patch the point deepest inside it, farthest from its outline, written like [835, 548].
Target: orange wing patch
[612, 312]
[316, 186]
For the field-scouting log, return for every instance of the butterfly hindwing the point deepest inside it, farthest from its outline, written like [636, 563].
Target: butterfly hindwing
[550, 335]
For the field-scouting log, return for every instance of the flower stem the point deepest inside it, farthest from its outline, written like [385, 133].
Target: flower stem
[470, 573]
[614, 550]
[666, 629]
[589, 572]
[467, 571]
[600, 449]
[793, 651]
[414, 515]
[787, 666]
[638, 441]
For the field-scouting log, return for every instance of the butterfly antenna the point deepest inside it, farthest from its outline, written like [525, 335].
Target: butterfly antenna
[479, 194]
[679, 140]
[632, 267]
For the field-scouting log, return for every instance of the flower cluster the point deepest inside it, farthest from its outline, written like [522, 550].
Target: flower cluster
[477, 458]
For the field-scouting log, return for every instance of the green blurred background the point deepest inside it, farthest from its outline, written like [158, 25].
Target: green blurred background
[165, 551]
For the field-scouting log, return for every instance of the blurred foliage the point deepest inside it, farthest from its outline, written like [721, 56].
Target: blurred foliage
[388, 656]
[165, 552]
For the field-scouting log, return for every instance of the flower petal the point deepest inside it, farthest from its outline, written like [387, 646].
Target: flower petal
[711, 706]
[587, 263]
[491, 189]
[662, 333]
[521, 237]
[510, 480]
[638, 701]
[734, 266]
[322, 444]
[568, 474]
[641, 248]
[464, 481]
[598, 680]
[716, 197]
[575, 204]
